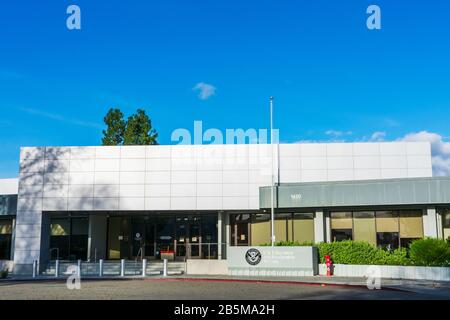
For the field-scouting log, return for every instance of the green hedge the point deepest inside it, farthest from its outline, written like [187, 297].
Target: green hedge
[358, 252]
[291, 244]
[430, 252]
[423, 252]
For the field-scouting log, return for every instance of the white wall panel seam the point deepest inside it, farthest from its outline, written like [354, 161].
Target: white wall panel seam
[407, 162]
[68, 185]
[326, 162]
[120, 160]
[170, 181]
[145, 177]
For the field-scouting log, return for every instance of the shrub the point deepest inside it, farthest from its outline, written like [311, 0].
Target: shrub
[423, 252]
[430, 252]
[359, 252]
[354, 252]
[290, 244]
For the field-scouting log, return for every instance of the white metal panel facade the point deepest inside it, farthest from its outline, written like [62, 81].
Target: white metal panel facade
[189, 177]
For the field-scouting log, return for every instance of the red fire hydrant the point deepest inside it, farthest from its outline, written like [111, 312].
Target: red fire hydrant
[329, 265]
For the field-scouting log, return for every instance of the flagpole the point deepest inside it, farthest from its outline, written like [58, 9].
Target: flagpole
[272, 205]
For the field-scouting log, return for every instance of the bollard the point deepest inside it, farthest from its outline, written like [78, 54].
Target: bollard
[79, 268]
[165, 268]
[100, 267]
[56, 268]
[144, 267]
[34, 268]
[122, 267]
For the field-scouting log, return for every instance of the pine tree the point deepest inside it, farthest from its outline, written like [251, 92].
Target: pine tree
[114, 134]
[139, 130]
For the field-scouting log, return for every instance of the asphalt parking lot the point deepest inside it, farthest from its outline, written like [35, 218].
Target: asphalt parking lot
[154, 289]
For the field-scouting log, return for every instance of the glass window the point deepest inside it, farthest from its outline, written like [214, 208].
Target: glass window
[137, 236]
[209, 236]
[114, 235]
[283, 226]
[387, 221]
[260, 229]
[364, 227]
[388, 240]
[5, 246]
[341, 220]
[240, 224]
[341, 226]
[68, 238]
[60, 238]
[60, 227]
[341, 234]
[79, 238]
[388, 235]
[209, 229]
[78, 247]
[411, 225]
[60, 247]
[8, 205]
[445, 213]
[303, 227]
[242, 234]
[406, 242]
[5, 238]
[80, 226]
[240, 217]
[5, 226]
[165, 231]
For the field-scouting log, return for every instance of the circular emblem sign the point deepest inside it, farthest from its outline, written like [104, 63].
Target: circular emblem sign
[253, 257]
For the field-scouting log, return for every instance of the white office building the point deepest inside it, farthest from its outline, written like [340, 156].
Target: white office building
[193, 202]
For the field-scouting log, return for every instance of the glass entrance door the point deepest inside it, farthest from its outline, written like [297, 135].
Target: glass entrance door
[194, 240]
[188, 238]
[137, 238]
[149, 240]
[143, 238]
[182, 239]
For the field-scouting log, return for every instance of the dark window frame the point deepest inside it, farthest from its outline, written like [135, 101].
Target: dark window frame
[7, 240]
[70, 240]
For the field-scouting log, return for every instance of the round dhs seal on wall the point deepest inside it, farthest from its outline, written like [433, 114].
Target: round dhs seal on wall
[253, 257]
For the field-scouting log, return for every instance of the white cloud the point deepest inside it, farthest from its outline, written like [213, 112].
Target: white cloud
[378, 136]
[205, 90]
[440, 150]
[334, 133]
[60, 118]
[337, 134]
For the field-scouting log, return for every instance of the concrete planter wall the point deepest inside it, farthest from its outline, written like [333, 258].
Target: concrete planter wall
[272, 261]
[6, 264]
[391, 272]
[206, 267]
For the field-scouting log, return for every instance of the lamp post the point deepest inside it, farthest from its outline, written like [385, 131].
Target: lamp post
[272, 205]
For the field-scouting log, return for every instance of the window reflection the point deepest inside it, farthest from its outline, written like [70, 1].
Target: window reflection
[386, 229]
[69, 238]
[6, 226]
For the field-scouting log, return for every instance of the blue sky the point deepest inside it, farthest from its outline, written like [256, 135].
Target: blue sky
[333, 79]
